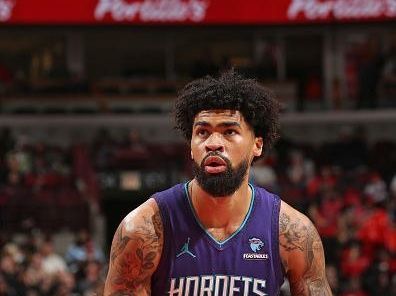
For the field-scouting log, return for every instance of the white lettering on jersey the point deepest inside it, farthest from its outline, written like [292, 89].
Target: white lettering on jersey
[232, 284]
[247, 282]
[256, 290]
[177, 291]
[190, 279]
[221, 285]
[225, 284]
[206, 288]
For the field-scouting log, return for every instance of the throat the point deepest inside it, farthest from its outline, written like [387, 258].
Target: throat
[222, 234]
[221, 218]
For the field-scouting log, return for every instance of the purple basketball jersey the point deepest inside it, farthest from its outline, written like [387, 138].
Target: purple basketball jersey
[194, 263]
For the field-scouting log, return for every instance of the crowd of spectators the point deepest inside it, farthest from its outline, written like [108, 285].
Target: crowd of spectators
[43, 182]
[46, 189]
[43, 191]
[30, 266]
[347, 187]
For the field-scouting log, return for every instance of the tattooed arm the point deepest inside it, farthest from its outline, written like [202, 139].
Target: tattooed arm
[135, 252]
[302, 254]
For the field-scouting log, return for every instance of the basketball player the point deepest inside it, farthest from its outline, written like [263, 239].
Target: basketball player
[217, 234]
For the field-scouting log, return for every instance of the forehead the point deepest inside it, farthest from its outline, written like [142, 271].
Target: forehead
[220, 115]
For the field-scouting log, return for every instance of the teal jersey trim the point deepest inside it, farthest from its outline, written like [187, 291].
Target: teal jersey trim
[220, 244]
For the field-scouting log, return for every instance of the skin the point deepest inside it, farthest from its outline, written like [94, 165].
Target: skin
[135, 252]
[228, 133]
[302, 254]
[138, 241]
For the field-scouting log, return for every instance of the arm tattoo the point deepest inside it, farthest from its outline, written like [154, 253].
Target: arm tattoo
[132, 264]
[293, 233]
[120, 244]
[301, 238]
[284, 220]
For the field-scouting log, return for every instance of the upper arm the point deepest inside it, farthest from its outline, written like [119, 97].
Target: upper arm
[302, 254]
[135, 252]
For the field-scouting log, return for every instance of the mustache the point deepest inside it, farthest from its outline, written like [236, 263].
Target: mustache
[216, 154]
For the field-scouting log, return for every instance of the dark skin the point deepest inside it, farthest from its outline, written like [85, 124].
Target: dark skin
[302, 254]
[135, 252]
[138, 241]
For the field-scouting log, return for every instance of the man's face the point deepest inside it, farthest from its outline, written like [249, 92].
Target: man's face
[223, 146]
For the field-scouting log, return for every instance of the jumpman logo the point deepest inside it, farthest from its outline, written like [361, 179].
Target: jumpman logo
[185, 250]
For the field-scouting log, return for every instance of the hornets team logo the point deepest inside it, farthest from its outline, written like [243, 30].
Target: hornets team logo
[256, 245]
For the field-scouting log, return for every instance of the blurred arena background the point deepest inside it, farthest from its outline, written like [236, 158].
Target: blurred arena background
[86, 90]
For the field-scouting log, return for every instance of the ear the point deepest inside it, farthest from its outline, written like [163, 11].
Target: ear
[258, 146]
[192, 156]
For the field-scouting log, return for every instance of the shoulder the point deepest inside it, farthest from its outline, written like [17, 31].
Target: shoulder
[290, 216]
[140, 226]
[135, 251]
[302, 253]
[297, 237]
[146, 216]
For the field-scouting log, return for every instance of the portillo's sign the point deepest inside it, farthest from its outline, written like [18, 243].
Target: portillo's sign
[191, 12]
[342, 9]
[152, 11]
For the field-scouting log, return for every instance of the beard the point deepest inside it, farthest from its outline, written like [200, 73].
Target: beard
[224, 183]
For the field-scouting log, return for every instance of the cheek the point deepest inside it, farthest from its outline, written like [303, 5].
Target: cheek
[247, 150]
[245, 145]
[195, 151]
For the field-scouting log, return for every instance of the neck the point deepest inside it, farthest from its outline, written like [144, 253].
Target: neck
[220, 212]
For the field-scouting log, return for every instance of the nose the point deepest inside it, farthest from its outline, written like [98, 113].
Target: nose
[214, 143]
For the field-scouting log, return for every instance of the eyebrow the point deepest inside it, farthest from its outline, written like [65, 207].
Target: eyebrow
[222, 124]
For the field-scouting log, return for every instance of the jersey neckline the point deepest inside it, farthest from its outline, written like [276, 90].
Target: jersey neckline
[220, 244]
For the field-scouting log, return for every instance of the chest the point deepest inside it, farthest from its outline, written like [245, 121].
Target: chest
[243, 263]
[240, 260]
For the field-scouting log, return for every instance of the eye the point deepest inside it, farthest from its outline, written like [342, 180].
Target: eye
[230, 132]
[201, 132]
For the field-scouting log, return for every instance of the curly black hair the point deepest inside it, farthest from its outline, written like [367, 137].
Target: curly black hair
[230, 91]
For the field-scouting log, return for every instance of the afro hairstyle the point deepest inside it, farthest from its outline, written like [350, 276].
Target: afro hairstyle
[229, 91]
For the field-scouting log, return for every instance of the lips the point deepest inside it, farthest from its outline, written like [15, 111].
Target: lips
[214, 165]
